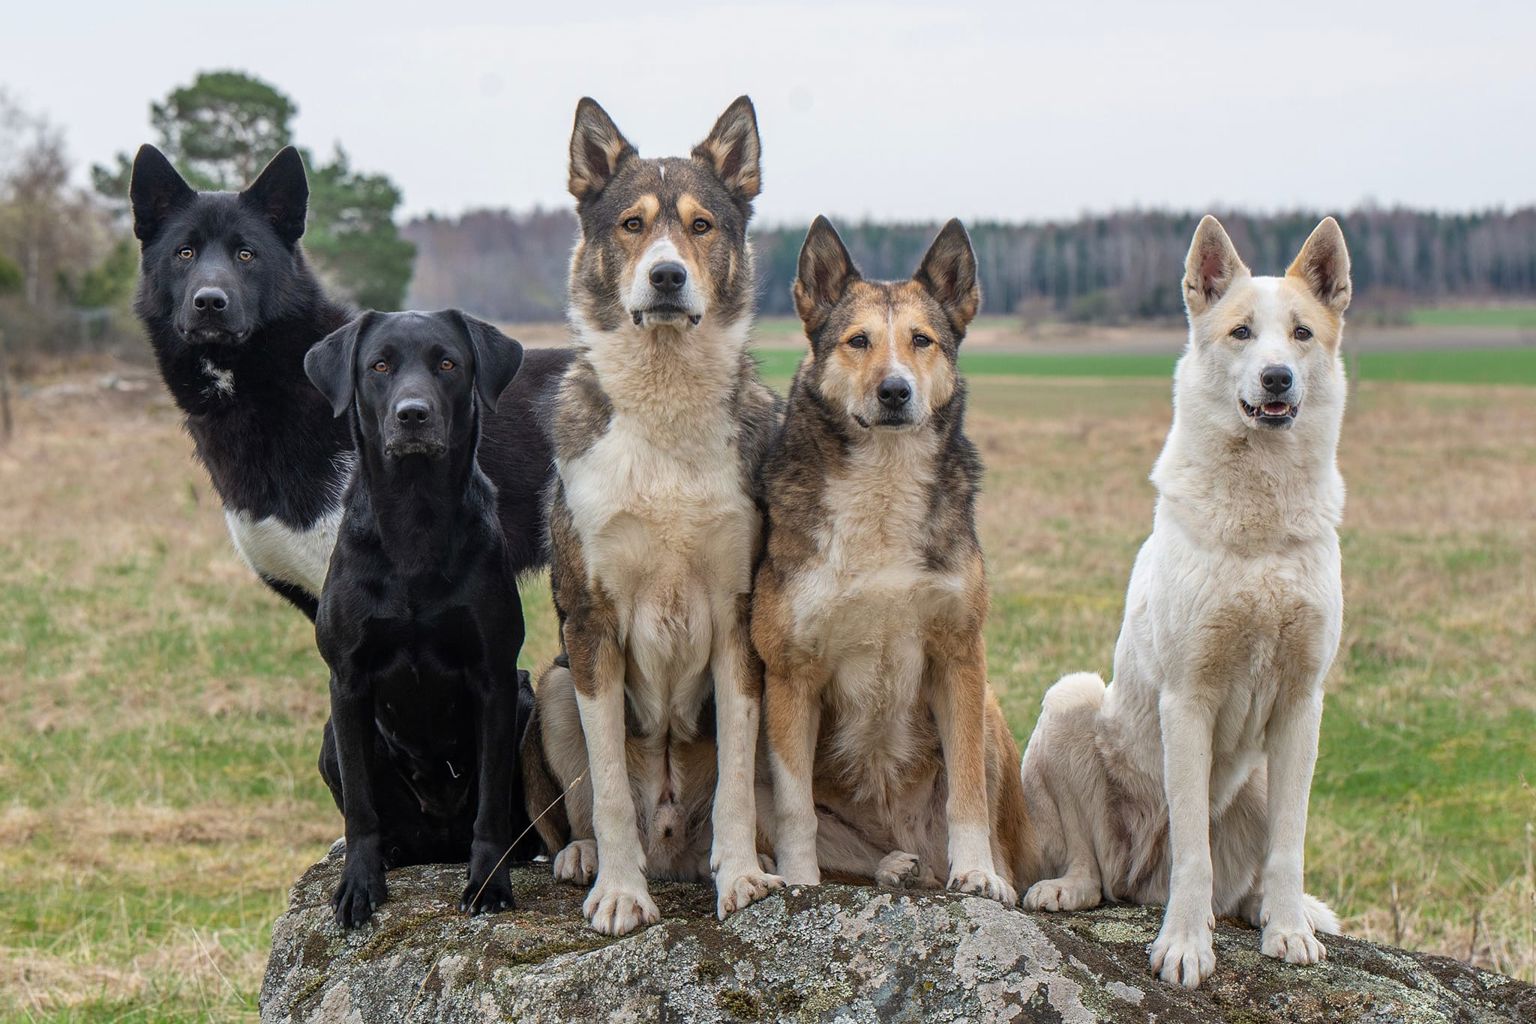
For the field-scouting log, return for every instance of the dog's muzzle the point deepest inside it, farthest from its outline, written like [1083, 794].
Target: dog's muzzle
[667, 314]
[405, 445]
[1273, 414]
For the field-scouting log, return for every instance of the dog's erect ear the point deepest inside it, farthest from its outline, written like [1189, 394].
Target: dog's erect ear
[1323, 266]
[597, 149]
[156, 191]
[1211, 266]
[280, 193]
[948, 272]
[826, 271]
[331, 364]
[497, 357]
[734, 150]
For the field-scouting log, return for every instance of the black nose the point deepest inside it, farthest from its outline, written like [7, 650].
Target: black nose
[895, 392]
[412, 411]
[669, 276]
[210, 298]
[1277, 379]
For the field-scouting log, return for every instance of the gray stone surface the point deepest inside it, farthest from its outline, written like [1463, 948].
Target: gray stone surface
[833, 953]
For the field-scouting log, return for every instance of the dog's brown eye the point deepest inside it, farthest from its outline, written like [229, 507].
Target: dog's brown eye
[1241, 332]
[446, 364]
[858, 341]
[701, 226]
[1302, 333]
[633, 224]
[245, 255]
[921, 340]
[381, 367]
[185, 253]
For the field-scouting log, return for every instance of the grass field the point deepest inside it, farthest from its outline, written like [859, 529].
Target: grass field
[1475, 316]
[162, 710]
[1462, 366]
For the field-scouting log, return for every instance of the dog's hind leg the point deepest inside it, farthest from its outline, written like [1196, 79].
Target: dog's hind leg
[555, 773]
[1064, 774]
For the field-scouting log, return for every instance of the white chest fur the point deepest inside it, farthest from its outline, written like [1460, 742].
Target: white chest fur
[277, 551]
[667, 533]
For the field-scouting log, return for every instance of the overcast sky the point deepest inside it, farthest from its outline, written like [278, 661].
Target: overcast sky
[892, 110]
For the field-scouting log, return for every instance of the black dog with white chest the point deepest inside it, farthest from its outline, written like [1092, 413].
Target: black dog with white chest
[420, 619]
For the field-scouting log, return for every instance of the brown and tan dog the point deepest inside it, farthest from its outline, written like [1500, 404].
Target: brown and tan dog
[889, 755]
[649, 724]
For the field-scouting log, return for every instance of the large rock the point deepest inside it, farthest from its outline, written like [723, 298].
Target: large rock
[833, 953]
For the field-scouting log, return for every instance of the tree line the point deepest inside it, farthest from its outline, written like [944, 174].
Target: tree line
[1116, 268]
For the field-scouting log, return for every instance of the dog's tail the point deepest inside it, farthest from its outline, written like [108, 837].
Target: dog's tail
[1320, 915]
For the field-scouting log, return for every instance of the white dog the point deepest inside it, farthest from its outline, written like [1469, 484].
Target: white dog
[1186, 780]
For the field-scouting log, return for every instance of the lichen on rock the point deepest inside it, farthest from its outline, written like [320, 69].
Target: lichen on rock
[829, 953]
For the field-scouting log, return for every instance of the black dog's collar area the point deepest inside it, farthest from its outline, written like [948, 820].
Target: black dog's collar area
[1275, 415]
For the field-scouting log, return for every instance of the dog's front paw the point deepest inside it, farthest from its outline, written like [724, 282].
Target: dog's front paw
[1183, 955]
[1057, 894]
[737, 890]
[618, 908]
[984, 883]
[577, 863]
[898, 870]
[361, 891]
[489, 895]
[1295, 944]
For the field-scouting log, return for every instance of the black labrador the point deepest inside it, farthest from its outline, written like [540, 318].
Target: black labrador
[419, 618]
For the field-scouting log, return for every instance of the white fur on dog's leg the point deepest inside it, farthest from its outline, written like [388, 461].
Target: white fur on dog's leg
[1059, 894]
[898, 870]
[617, 907]
[577, 862]
[1184, 952]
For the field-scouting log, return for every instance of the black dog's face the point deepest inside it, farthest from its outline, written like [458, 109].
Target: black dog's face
[412, 378]
[216, 266]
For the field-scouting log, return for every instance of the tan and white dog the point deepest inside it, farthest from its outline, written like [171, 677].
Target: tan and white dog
[889, 754]
[659, 427]
[1186, 780]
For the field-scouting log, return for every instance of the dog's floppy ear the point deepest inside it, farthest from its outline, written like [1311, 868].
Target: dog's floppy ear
[1323, 266]
[734, 150]
[1211, 266]
[826, 271]
[331, 364]
[155, 191]
[948, 272]
[280, 193]
[597, 149]
[497, 357]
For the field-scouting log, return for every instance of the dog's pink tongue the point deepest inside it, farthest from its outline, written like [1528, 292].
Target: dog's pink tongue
[1276, 408]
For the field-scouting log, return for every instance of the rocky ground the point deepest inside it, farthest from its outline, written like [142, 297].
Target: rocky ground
[833, 953]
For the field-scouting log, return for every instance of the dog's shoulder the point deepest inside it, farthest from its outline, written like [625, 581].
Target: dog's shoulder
[580, 410]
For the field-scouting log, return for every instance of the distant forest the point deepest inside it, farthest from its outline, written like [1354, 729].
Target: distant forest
[1116, 268]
